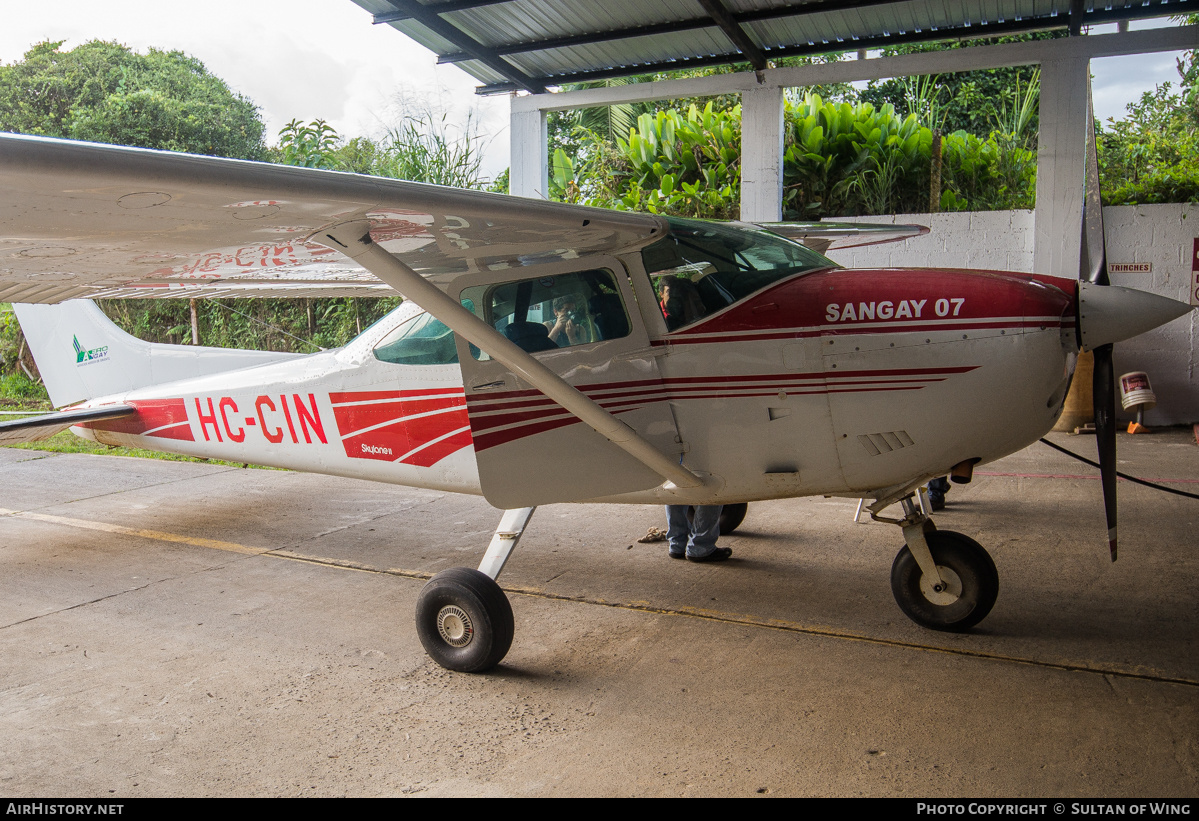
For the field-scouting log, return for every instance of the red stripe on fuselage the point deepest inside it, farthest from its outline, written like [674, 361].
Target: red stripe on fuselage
[894, 300]
[412, 427]
[497, 422]
[162, 418]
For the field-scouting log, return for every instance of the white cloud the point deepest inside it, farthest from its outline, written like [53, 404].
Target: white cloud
[296, 59]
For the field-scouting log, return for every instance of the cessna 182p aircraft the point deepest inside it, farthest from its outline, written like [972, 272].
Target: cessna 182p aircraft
[673, 361]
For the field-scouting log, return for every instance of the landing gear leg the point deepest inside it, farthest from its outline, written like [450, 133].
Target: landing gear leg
[463, 618]
[941, 580]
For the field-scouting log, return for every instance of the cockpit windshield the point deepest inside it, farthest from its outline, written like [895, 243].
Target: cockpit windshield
[702, 267]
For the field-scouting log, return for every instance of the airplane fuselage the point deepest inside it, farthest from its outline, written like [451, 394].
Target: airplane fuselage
[831, 382]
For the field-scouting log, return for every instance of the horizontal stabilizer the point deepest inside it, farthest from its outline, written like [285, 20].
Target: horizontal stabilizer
[825, 236]
[38, 428]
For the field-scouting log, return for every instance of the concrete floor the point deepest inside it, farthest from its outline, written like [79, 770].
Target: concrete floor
[189, 629]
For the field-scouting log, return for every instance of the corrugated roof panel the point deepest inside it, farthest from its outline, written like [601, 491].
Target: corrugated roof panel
[816, 24]
[632, 52]
[523, 21]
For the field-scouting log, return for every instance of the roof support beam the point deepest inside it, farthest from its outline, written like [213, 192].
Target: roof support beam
[1078, 11]
[672, 27]
[995, 29]
[430, 18]
[717, 11]
[848, 71]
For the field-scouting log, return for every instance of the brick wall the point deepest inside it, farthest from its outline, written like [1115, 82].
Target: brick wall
[1161, 235]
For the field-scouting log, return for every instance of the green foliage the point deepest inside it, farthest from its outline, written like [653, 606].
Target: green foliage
[10, 338]
[845, 160]
[104, 92]
[501, 183]
[308, 146]
[842, 159]
[992, 174]
[685, 164]
[1152, 155]
[421, 147]
[1188, 70]
[20, 388]
[578, 132]
[296, 325]
[970, 101]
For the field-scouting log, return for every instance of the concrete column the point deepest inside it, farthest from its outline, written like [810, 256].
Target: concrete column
[529, 173]
[762, 154]
[1061, 166]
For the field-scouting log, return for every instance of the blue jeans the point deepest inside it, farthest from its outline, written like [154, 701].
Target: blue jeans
[696, 538]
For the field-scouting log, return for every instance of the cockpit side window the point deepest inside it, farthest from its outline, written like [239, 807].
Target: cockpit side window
[701, 267]
[421, 340]
[552, 312]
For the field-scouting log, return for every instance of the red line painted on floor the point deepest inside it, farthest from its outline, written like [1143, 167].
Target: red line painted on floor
[1077, 476]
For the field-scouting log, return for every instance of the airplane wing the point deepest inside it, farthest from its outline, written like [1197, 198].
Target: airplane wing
[825, 236]
[37, 428]
[82, 220]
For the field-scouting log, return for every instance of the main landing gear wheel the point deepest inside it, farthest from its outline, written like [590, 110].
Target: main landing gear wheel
[731, 517]
[968, 590]
[464, 620]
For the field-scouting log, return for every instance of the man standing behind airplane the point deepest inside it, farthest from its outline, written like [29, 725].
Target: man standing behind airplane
[695, 538]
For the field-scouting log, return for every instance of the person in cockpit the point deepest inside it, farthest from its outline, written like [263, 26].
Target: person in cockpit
[572, 323]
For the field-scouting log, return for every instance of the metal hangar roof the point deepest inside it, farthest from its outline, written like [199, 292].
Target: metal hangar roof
[535, 44]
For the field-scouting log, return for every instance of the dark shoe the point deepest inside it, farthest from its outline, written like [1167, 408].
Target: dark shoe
[936, 502]
[674, 555]
[717, 555]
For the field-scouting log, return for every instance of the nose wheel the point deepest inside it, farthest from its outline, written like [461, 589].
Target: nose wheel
[961, 597]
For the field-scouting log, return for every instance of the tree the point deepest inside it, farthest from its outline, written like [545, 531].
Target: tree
[421, 148]
[104, 92]
[1188, 69]
[973, 101]
[1152, 155]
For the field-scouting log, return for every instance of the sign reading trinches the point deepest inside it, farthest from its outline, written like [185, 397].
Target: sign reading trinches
[1130, 268]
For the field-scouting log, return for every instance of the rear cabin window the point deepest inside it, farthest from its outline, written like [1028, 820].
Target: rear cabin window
[701, 267]
[548, 313]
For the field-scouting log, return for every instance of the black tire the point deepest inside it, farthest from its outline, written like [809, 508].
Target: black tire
[975, 572]
[464, 620]
[731, 517]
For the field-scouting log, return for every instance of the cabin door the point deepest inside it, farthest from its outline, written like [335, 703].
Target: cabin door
[584, 325]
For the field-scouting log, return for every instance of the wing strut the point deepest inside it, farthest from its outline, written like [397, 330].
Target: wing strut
[353, 239]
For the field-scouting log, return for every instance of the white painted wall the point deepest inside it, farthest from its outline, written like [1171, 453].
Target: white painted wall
[1162, 235]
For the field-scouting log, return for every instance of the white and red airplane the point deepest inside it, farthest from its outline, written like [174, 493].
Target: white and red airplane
[545, 353]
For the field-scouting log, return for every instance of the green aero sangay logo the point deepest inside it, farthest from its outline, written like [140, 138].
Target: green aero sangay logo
[83, 356]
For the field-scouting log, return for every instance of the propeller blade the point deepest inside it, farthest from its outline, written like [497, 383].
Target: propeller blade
[1093, 269]
[1105, 433]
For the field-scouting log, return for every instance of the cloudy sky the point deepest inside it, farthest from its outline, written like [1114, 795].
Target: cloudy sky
[311, 59]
